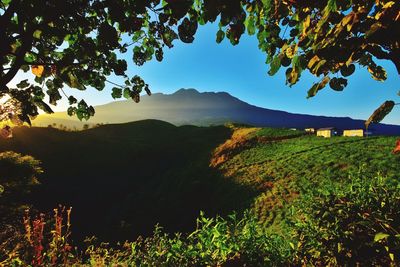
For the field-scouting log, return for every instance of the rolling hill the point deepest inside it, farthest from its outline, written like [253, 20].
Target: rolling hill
[122, 179]
[189, 107]
[129, 177]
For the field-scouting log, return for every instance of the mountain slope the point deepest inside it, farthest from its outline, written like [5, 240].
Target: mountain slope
[188, 106]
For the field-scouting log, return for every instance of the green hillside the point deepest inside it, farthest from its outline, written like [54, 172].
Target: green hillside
[285, 168]
[123, 179]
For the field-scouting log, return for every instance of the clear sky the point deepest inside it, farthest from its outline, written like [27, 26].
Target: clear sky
[241, 71]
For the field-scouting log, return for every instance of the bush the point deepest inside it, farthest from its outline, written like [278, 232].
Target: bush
[216, 242]
[17, 173]
[355, 223]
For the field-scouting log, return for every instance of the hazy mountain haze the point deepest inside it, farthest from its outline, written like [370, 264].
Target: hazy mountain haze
[188, 106]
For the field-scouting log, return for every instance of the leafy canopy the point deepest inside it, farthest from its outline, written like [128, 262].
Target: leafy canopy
[80, 43]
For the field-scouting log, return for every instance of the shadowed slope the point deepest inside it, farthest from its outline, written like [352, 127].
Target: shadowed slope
[123, 179]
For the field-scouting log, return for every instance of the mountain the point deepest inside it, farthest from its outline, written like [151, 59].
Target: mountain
[188, 106]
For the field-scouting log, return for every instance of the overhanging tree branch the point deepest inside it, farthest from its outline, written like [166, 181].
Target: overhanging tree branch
[19, 60]
[379, 53]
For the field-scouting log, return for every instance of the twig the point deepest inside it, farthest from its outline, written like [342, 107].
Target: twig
[115, 83]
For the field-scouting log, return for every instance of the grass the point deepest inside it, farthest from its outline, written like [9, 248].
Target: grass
[287, 168]
[124, 179]
[277, 132]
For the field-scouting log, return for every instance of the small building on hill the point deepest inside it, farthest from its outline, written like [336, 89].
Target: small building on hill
[326, 132]
[309, 130]
[354, 132]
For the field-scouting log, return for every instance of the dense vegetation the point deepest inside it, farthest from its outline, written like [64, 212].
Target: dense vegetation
[309, 200]
[18, 176]
[335, 224]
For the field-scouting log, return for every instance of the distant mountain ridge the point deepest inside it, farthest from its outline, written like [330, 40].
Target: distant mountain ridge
[188, 106]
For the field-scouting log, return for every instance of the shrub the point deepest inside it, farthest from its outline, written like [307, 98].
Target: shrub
[355, 223]
[215, 242]
[17, 173]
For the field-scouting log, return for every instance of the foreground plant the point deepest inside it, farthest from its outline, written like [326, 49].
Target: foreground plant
[337, 223]
[43, 242]
[353, 224]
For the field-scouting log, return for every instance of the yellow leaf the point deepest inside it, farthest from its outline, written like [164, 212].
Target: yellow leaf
[346, 20]
[291, 51]
[14, 47]
[324, 81]
[378, 73]
[37, 70]
[37, 34]
[378, 15]
[306, 24]
[312, 61]
[388, 5]
[350, 60]
[73, 80]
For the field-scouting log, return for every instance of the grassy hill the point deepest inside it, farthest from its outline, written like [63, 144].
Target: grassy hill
[284, 165]
[128, 177]
[123, 179]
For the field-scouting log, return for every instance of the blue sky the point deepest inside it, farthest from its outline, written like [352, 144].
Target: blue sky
[241, 71]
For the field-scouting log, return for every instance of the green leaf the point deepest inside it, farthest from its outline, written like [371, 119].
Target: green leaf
[71, 111]
[338, 84]
[37, 34]
[331, 6]
[347, 70]
[23, 84]
[250, 25]
[267, 6]
[220, 36]
[275, 66]
[292, 75]
[116, 92]
[43, 106]
[29, 58]
[127, 93]
[378, 73]
[380, 236]
[380, 113]
[72, 100]
[73, 82]
[317, 87]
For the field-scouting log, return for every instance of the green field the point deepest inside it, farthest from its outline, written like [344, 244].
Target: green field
[123, 179]
[285, 169]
